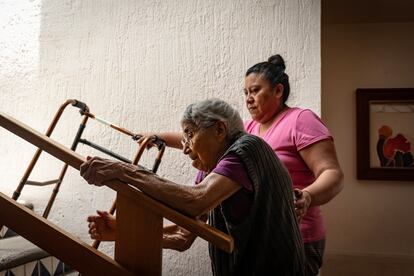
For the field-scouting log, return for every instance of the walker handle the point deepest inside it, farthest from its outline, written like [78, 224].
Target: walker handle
[81, 105]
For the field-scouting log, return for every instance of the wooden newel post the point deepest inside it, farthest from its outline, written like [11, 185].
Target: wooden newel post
[138, 244]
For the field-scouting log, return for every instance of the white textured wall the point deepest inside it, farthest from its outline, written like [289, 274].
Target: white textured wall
[138, 64]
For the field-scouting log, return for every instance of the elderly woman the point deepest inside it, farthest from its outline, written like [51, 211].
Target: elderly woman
[242, 187]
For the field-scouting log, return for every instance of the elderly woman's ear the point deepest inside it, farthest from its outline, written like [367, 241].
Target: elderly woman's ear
[221, 130]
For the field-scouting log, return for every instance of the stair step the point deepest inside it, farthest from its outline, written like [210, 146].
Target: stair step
[9, 233]
[16, 251]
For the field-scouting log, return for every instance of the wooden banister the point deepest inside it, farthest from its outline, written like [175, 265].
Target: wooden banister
[56, 241]
[133, 198]
[74, 160]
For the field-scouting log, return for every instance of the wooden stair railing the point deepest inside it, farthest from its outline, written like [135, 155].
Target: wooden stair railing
[138, 245]
[56, 241]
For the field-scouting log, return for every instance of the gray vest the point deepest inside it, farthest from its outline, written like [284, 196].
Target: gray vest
[268, 241]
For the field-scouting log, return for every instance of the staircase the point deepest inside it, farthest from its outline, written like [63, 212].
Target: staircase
[19, 257]
[138, 243]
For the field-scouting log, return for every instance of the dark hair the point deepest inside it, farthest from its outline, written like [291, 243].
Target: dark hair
[274, 71]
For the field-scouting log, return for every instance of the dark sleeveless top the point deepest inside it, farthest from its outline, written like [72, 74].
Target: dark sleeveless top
[268, 241]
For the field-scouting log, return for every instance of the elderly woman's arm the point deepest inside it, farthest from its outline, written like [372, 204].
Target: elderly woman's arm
[171, 139]
[321, 159]
[177, 238]
[102, 227]
[190, 200]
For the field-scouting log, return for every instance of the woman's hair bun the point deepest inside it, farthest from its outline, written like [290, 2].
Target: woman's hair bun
[278, 61]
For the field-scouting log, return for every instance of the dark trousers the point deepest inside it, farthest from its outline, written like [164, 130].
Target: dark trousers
[314, 255]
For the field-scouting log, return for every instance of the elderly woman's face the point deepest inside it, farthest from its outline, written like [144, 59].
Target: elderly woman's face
[203, 146]
[262, 100]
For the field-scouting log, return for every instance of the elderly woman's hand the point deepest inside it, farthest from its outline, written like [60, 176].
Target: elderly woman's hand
[97, 170]
[177, 238]
[303, 200]
[102, 227]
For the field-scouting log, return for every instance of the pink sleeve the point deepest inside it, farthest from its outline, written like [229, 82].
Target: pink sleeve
[309, 130]
[232, 167]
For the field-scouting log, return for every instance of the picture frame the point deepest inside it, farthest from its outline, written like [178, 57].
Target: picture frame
[385, 134]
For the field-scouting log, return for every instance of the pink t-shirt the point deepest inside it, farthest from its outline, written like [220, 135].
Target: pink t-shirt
[294, 130]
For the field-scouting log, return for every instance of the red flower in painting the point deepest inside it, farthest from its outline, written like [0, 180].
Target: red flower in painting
[393, 151]
[398, 143]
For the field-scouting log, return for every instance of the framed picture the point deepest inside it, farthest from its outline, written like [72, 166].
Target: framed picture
[385, 134]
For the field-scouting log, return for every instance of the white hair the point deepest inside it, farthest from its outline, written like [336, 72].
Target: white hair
[204, 113]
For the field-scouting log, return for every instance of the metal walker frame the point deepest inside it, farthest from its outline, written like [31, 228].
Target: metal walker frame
[144, 142]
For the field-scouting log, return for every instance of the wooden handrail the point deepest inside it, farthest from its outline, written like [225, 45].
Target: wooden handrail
[56, 241]
[73, 159]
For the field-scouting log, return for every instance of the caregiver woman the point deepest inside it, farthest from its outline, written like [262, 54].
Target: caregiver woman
[302, 142]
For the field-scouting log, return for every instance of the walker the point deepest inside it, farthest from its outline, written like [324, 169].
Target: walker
[146, 142]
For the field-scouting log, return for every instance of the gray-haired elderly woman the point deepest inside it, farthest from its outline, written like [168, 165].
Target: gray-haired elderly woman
[241, 186]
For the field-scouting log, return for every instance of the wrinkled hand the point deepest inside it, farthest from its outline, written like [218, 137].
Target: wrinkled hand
[97, 170]
[102, 227]
[177, 238]
[303, 200]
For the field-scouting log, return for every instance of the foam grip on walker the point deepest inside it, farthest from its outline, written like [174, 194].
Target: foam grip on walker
[81, 105]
